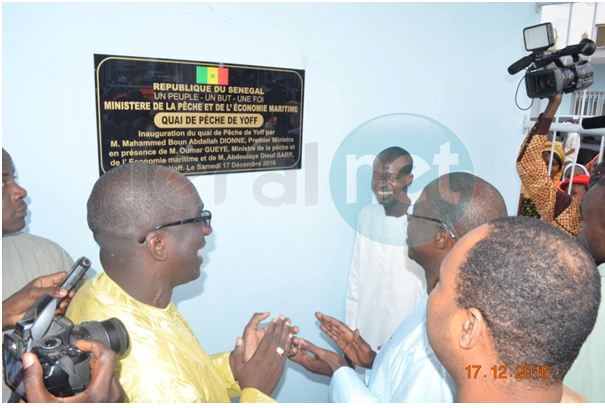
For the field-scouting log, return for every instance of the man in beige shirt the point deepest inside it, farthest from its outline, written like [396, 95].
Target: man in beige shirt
[24, 256]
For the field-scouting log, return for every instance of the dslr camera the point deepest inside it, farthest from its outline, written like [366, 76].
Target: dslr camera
[66, 369]
[552, 72]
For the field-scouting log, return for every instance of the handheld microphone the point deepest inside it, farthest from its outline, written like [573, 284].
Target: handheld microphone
[520, 64]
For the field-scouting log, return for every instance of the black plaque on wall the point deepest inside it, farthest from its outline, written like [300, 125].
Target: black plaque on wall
[198, 117]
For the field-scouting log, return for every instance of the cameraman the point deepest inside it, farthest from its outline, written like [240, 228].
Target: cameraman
[553, 204]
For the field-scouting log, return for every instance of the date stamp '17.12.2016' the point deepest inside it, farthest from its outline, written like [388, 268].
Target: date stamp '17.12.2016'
[504, 372]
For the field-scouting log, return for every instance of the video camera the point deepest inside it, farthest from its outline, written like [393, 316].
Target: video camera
[550, 72]
[66, 369]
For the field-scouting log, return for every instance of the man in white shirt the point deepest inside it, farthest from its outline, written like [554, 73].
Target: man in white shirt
[383, 281]
[406, 369]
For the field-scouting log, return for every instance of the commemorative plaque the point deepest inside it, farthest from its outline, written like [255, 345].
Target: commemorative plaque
[198, 117]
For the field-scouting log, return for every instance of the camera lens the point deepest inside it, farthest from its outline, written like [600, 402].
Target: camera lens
[118, 335]
[110, 332]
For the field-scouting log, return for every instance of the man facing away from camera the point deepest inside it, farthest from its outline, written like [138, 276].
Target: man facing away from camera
[150, 224]
[506, 321]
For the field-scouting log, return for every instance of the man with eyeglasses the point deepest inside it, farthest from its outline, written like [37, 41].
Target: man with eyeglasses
[383, 281]
[406, 369]
[150, 224]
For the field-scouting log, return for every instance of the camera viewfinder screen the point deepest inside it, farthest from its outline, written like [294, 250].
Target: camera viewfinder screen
[537, 37]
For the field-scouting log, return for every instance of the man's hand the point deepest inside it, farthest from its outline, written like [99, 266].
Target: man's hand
[253, 334]
[103, 387]
[15, 306]
[553, 104]
[349, 341]
[265, 367]
[316, 359]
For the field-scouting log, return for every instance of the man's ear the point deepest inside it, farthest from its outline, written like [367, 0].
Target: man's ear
[408, 180]
[156, 245]
[473, 328]
[443, 240]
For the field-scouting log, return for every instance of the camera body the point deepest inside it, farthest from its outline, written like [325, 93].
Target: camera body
[546, 82]
[66, 369]
[550, 73]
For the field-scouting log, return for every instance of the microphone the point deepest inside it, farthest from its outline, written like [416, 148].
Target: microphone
[520, 64]
[585, 47]
[593, 123]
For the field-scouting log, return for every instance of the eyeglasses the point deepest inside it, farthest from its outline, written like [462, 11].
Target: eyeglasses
[205, 217]
[447, 227]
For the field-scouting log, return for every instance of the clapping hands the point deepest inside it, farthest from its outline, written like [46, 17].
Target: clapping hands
[260, 355]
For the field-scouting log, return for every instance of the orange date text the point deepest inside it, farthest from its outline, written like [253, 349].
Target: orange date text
[504, 372]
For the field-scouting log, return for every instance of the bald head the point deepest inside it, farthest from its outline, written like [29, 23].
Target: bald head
[132, 199]
[463, 200]
[592, 233]
[448, 208]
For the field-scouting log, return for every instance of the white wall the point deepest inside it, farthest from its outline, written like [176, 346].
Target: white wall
[444, 61]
